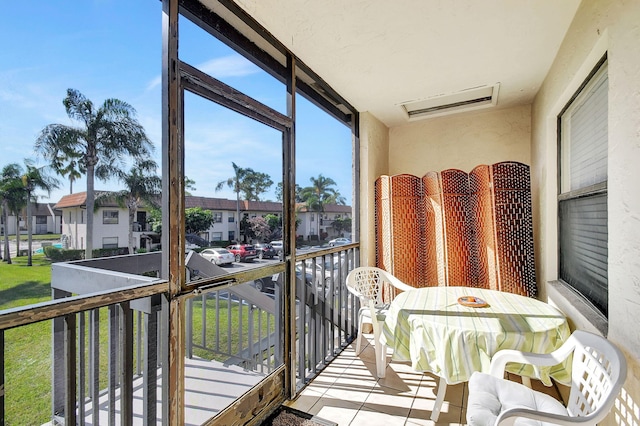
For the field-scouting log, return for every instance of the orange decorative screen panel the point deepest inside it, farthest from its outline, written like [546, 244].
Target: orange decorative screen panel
[454, 228]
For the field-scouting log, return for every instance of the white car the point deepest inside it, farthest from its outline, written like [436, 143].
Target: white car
[339, 242]
[219, 256]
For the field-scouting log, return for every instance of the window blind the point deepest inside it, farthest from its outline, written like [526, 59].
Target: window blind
[582, 208]
[588, 138]
[583, 243]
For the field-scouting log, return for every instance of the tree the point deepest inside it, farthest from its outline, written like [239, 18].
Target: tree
[106, 135]
[34, 178]
[320, 193]
[142, 187]
[11, 192]
[342, 224]
[259, 227]
[68, 164]
[279, 197]
[189, 185]
[155, 220]
[197, 220]
[252, 184]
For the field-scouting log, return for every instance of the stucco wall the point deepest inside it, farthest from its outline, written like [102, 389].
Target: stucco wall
[461, 141]
[374, 161]
[600, 26]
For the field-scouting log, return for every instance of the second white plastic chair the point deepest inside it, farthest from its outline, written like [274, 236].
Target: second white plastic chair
[598, 371]
[367, 283]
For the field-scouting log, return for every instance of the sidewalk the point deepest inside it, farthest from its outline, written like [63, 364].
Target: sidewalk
[24, 245]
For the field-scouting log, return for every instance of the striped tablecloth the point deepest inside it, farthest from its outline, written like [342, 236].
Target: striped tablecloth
[428, 327]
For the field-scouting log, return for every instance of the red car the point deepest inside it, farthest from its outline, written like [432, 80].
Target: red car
[243, 252]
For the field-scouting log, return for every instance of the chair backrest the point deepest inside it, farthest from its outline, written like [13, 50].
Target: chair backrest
[366, 283]
[598, 372]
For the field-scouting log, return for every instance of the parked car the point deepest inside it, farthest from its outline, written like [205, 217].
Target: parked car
[278, 247]
[198, 241]
[265, 285]
[339, 242]
[308, 277]
[266, 251]
[243, 252]
[219, 256]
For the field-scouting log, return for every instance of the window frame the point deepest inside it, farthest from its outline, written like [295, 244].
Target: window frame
[110, 245]
[110, 220]
[570, 198]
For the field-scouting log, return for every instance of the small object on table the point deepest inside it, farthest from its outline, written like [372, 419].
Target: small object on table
[472, 301]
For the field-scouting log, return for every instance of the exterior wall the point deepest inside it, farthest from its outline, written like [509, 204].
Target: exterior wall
[374, 161]
[119, 230]
[599, 26]
[74, 227]
[461, 141]
[52, 227]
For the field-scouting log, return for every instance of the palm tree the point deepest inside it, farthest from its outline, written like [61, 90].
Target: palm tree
[251, 183]
[320, 193]
[106, 135]
[68, 164]
[234, 183]
[142, 187]
[11, 191]
[33, 179]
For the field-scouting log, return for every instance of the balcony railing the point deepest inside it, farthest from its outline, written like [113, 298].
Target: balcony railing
[109, 348]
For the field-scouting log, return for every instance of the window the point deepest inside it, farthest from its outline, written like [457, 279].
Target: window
[110, 217]
[41, 220]
[217, 217]
[109, 242]
[231, 218]
[582, 200]
[216, 236]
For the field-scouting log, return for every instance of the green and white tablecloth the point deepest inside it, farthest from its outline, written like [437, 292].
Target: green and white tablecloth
[431, 329]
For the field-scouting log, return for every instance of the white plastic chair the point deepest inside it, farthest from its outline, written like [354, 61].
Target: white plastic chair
[598, 371]
[367, 283]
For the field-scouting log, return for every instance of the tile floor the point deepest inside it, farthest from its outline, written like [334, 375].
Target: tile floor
[348, 393]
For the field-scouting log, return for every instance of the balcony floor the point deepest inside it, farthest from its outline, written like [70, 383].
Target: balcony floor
[347, 392]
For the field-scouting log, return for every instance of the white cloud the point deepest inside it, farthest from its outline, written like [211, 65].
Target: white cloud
[225, 66]
[229, 66]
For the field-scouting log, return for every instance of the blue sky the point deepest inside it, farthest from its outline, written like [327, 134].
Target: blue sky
[112, 49]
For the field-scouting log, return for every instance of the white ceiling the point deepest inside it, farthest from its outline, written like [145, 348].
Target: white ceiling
[379, 54]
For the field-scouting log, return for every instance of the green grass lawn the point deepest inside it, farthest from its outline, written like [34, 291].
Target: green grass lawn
[37, 237]
[27, 350]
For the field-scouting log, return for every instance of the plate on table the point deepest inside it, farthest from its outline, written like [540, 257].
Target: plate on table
[472, 301]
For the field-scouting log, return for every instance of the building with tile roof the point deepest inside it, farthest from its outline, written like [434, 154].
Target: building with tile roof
[111, 226]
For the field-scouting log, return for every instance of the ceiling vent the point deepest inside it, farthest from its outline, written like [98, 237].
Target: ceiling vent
[465, 100]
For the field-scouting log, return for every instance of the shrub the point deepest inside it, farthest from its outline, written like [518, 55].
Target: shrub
[62, 255]
[110, 252]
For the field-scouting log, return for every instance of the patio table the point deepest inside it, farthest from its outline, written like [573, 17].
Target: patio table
[430, 328]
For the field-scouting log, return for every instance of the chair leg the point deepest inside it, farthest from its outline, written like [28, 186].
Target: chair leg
[381, 353]
[442, 389]
[359, 338]
[381, 360]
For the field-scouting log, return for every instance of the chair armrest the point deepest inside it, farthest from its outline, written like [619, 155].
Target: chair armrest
[508, 417]
[501, 358]
[391, 279]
